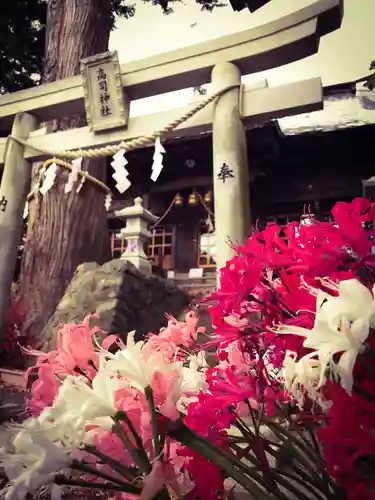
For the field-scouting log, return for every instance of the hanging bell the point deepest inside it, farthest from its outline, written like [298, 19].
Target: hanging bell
[208, 197]
[178, 199]
[193, 198]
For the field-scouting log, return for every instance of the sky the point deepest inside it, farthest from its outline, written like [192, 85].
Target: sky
[343, 55]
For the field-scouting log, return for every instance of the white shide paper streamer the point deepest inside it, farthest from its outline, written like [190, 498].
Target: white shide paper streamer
[49, 179]
[157, 165]
[73, 176]
[120, 174]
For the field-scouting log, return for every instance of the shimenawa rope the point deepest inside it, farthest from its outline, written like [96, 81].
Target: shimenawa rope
[126, 145]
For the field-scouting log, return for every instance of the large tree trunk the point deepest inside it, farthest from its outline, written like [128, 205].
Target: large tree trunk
[67, 229]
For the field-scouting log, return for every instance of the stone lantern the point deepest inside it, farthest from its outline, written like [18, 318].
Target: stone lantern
[136, 233]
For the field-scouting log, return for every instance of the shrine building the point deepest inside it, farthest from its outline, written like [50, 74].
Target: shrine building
[309, 160]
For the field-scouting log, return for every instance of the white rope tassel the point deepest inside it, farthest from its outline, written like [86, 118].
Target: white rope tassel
[73, 176]
[121, 174]
[81, 183]
[210, 226]
[108, 202]
[26, 210]
[157, 165]
[39, 181]
[49, 179]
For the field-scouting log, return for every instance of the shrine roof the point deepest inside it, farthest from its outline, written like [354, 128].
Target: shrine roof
[344, 107]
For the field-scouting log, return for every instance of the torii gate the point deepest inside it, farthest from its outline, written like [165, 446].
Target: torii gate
[221, 61]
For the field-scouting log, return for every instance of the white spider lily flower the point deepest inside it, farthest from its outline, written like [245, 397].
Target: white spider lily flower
[33, 460]
[345, 366]
[192, 380]
[133, 364]
[192, 375]
[342, 325]
[66, 432]
[348, 340]
[77, 404]
[326, 342]
[198, 361]
[301, 377]
[354, 301]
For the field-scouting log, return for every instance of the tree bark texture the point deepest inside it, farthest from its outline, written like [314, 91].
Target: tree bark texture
[65, 229]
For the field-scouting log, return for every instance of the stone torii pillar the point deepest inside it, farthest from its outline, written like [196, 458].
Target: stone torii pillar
[230, 166]
[15, 185]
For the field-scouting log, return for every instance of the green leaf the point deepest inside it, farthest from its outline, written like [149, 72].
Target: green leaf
[154, 422]
[122, 416]
[245, 476]
[126, 472]
[66, 481]
[141, 463]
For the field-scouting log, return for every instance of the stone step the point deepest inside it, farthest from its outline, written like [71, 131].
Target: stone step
[196, 287]
[186, 277]
[206, 279]
[208, 286]
[195, 282]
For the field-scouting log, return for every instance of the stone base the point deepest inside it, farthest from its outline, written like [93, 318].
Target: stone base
[124, 298]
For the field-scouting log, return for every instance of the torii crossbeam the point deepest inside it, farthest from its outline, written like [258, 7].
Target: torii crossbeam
[270, 45]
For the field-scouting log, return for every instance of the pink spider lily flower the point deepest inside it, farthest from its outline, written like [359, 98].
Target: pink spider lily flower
[172, 340]
[166, 388]
[75, 346]
[75, 351]
[44, 390]
[228, 386]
